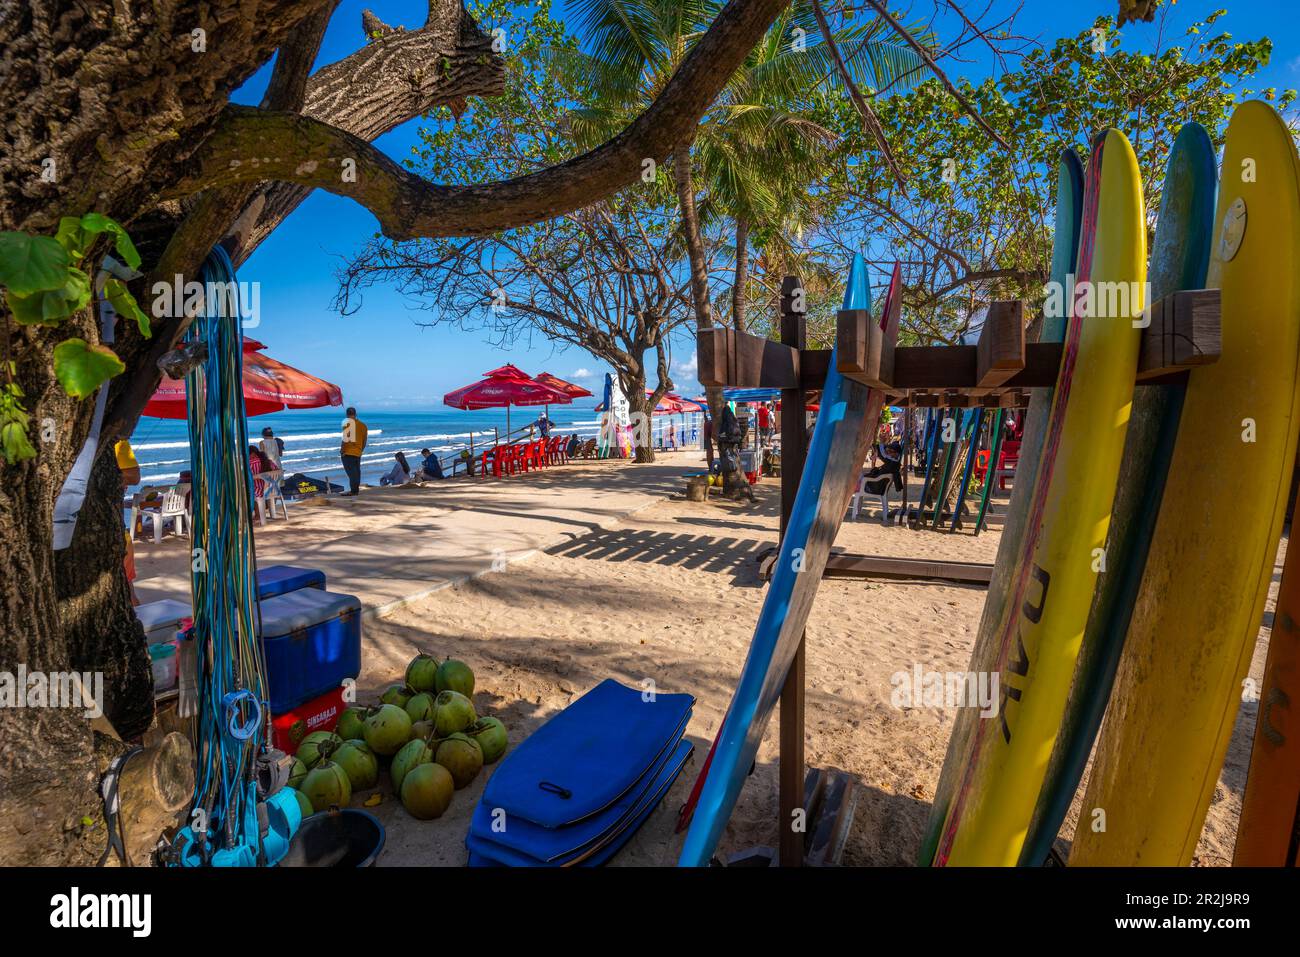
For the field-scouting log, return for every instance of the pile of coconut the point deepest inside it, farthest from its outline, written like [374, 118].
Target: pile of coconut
[425, 725]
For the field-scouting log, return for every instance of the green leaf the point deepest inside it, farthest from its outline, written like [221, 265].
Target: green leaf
[14, 444]
[73, 237]
[52, 307]
[77, 234]
[31, 264]
[83, 368]
[117, 293]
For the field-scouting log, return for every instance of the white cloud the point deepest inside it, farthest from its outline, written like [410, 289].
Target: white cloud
[690, 368]
[583, 373]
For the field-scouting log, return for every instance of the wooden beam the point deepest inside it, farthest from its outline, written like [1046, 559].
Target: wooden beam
[713, 355]
[1184, 332]
[865, 348]
[1000, 351]
[849, 565]
[744, 360]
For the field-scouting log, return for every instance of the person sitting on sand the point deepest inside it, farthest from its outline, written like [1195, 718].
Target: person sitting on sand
[401, 472]
[574, 444]
[430, 468]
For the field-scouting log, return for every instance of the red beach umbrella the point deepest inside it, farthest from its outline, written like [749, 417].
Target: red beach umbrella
[269, 386]
[505, 386]
[555, 382]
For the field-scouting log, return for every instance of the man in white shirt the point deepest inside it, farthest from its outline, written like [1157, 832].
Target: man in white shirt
[272, 447]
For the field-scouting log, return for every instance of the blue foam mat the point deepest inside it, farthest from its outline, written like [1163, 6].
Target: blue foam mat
[487, 853]
[560, 843]
[586, 757]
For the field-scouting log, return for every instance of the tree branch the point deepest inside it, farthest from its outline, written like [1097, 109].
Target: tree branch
[864, 108]
[924, 54]
[248, 147]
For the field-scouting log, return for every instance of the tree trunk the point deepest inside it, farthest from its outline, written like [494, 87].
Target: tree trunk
[685, 181]
[47, 773]
[101, 631]
[740, 286]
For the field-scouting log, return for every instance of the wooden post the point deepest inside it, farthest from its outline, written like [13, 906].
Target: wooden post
[794, 449]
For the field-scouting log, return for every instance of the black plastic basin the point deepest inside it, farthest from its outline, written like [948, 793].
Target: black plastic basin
[336, 838]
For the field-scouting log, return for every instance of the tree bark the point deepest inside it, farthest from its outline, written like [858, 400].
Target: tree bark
[684, 178]
[740, 285]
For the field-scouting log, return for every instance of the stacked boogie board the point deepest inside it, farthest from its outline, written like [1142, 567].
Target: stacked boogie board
[1037, 635]
[1210, 562]
[576, 790]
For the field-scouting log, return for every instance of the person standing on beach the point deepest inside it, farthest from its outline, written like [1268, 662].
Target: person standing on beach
[764, 424]
[271, 447]
[706, 438]
[354, 443]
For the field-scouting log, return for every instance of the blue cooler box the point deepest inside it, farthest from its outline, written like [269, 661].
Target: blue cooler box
[277, 579]
[312, 642]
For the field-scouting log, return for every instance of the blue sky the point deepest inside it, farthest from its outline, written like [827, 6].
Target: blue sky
[382, 358]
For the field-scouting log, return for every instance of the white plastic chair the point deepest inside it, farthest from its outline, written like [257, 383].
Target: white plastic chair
[266, 501]
[172, 507]
[855, 503]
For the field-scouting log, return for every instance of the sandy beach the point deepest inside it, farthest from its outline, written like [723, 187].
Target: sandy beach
[550, 583]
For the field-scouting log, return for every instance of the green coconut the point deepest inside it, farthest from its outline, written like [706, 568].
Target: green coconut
[490, 735]
[387, 728]
[351, 723]
[298, 773]
[420, 707]
[396, 694]
[359, 762]
[455, 675]
[427, 791]
[304, 805]
[453, 712]
[327, 786]
[422, 672]
[462, 757]
[412, 754]
[318, 745]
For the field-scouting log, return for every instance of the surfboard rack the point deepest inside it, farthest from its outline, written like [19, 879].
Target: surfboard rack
[996, 372]
[852, 565]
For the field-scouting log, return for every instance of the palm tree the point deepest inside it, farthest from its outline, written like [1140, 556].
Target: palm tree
[759, 148]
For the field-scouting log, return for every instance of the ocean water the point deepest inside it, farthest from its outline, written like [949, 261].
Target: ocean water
[311, 436]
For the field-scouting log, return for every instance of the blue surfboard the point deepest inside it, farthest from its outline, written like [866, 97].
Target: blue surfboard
[845, 427]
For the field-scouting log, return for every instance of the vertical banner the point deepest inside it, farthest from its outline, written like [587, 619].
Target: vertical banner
[616, 422]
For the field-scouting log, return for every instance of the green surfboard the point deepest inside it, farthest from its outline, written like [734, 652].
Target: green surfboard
[1180, 255]
[1065, 246]
[995, 447]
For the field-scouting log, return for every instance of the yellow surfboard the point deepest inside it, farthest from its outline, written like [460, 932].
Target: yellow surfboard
[1202, 595]
[1047, 610]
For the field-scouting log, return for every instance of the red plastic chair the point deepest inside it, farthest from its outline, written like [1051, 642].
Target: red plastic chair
[982, 464]
[1008, 459]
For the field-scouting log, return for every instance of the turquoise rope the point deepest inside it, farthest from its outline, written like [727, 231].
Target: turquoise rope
[234, 712]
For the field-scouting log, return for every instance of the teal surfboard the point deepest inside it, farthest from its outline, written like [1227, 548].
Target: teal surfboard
[934, 468]
[995, 448]
[1065, 246]
[845, 427]
[1180, 256]
[972, 450]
